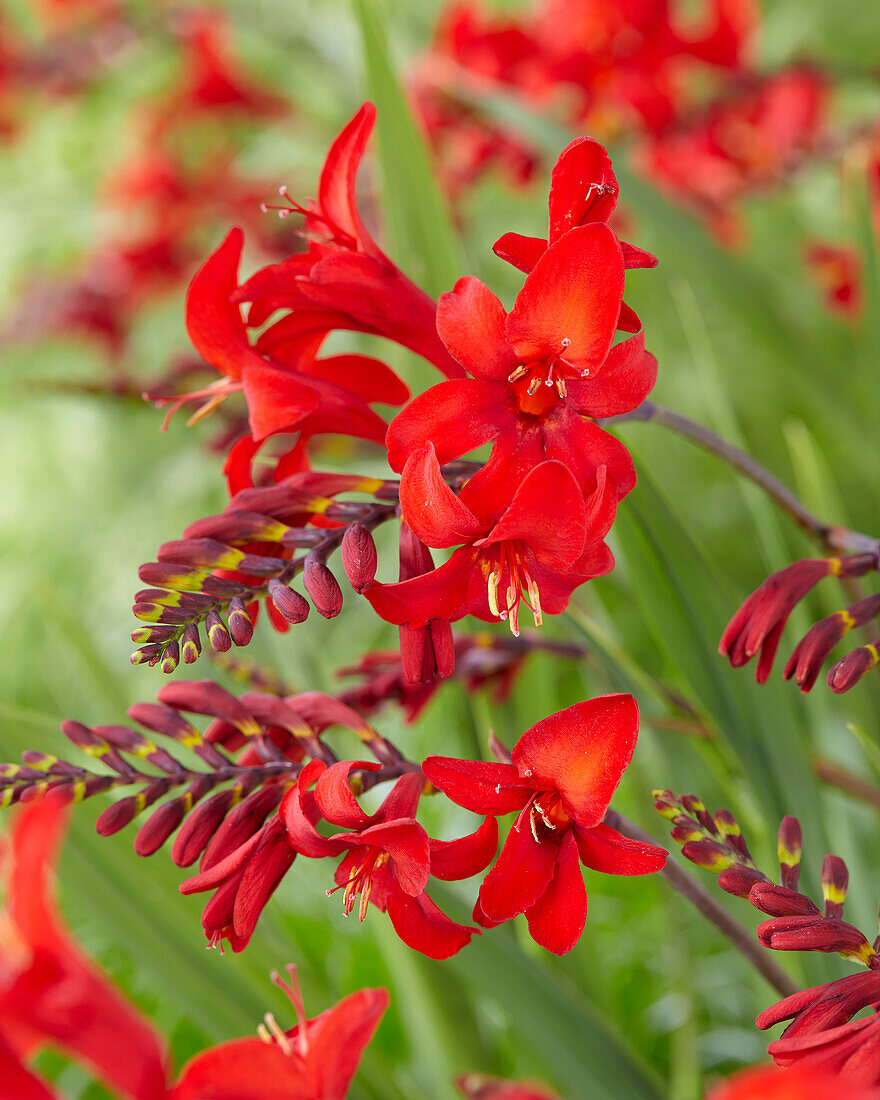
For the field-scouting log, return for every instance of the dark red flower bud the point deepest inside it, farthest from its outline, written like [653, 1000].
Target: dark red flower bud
[359, 558]
[118, 815]
[131, 741]
[835, 879]
[427, 652]
[851, 668]
[789, 849]
[245, 820]
[217, 633]
[241, 626]
[237, 526]
[171, 658]
[159, 632]
[779, 901]
[200, 826]
[707, 853]
[739, 880]
[323, 588]
[814, 933]
[200, 553]
[294, 607]
[159, 826]
[191, 644]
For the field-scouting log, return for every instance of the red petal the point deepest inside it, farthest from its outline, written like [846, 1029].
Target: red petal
[403, 798]
[262, 876]
[528, 518]
[557, 918]
[636, 257]
[457, 859]
[304, 837]
[334, 796]
[213, 322]
[522, 252]
[337, 1039]
[574, 294]
[431, 508]
[369, 379]
[455, 416]
[406, 842]
[18, 1082]
[337, 196]
[628, 319]
[583, 446]
[439, 594]
[605, 849]
[244, 1069]
[581, 752]
[521, 873]
[424, 927]
[470, 322]
[620, 385]
[583, 187]
[477, 785]
[277, 400]
[223, 869]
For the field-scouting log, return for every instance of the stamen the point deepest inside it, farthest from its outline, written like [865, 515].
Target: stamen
[518, 373]
[293, 991]
[276, 1032]
[533, 387]
[493, 591]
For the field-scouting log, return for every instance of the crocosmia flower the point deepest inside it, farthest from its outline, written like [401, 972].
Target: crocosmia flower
[560, 780]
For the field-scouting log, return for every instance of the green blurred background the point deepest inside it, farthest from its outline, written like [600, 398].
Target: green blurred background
[652, 1002]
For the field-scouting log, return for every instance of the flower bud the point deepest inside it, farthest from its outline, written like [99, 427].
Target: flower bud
[323, 588]
[170, 658]
[241, 626]
[217, 633]
[359, 558]
[739, 880]
[851, 668]
[117, 816]
[192, 644]
[779, 901]
[789, 849]
[294, 607]
[159, 826]
[835, 879]
[200, 826]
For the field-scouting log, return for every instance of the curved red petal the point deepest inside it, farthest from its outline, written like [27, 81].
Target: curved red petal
[557, 918]
[452, 860]
[430, 507]
[335, 798]
[261, 878]
[301, 831]
[573, 294]
[521, 874]
[529, 520]
[620, 385]
[243, 1069]
[426, 928]
[337, 188]
[583, 187]
[605, 849]
[477, 785]
[213, 322]
[581, 752]
[337, 1040]
[583, 447]
[277, 399]
[440, 594]
[522, 252]
[470, 322]
[456, 416]
[367, 378]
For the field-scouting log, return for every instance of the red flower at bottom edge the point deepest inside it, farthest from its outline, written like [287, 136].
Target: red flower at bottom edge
[562, 775]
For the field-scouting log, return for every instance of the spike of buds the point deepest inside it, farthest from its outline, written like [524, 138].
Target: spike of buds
[323, 587]
[809, 654]
[790, 848]
[359, 557]
[294, 607]
[241, 626]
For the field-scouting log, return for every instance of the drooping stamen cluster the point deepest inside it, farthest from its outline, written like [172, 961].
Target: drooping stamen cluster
[513, 567]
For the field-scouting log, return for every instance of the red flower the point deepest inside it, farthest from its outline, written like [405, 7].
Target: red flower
[539, 373]
[311, 395]
[316, 1060]
[344, 281]
[562, 775]
[837, 270]
[524, 554]
[51, 992]
[583, 190]
[803, 1083]
[389, 855]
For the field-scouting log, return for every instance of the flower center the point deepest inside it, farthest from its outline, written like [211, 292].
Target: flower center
[361, 882]
[334, 235]
[546, 813]
[551, 372]
[511, 566]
